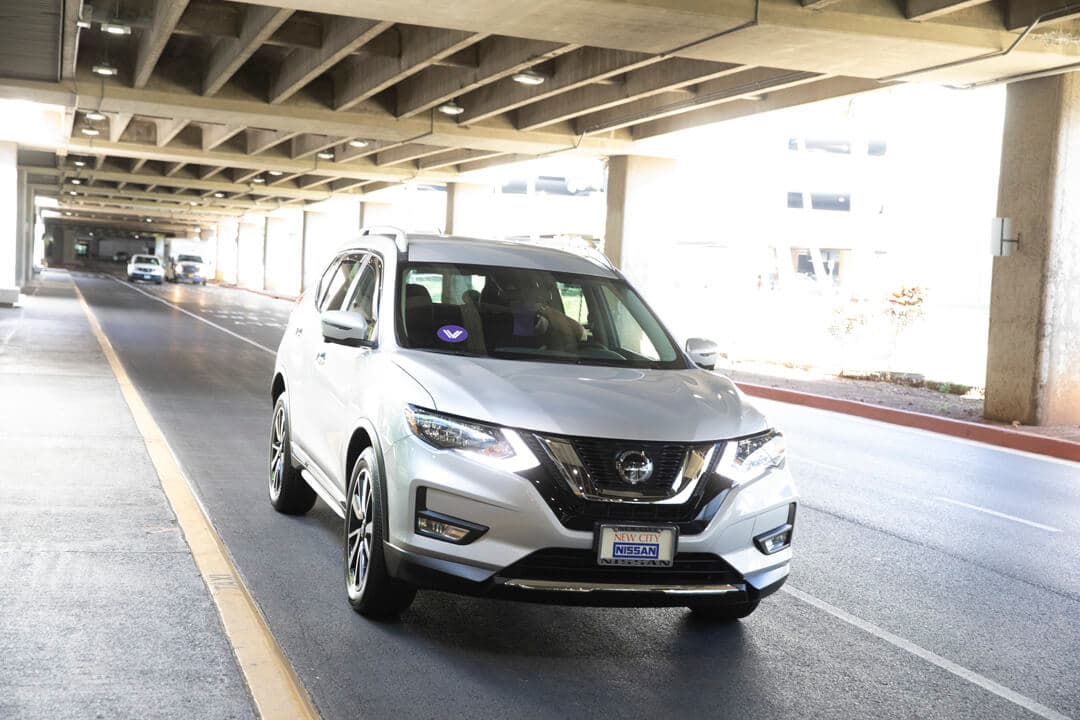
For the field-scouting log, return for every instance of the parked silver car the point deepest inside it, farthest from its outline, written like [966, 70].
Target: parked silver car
[510, 420]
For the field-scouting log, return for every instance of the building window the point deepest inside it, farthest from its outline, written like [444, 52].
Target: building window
[794, 200]
[830, 201]
[841, 147]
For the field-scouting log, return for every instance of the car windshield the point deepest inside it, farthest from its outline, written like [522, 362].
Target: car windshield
[189, 258]
[145, 260]
[523, 314]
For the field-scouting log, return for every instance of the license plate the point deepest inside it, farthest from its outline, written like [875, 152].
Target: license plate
[636, 545]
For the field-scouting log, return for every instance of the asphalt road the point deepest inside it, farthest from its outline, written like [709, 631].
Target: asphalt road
[933, 578]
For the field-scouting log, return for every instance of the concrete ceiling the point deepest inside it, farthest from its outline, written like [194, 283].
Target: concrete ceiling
[224, 108]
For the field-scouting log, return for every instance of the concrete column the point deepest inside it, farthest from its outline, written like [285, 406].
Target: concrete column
[10, 229]
[467, 211]
[641, 192]
[1033, 356]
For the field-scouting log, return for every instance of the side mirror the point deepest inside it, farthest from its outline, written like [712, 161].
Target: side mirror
[345, 328]
[703, 352]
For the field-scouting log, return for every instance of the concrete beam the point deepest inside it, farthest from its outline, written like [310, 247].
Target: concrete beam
[1021, 13]
[406, 153]
[215, 135]
[257, 140]
[308, 144]
[229, 54]
[168, 129]
[929, 9]
[748, 83]
[118, 123]
[153, 39]
[340, 38]
[823, 89]
[150, 210]
[220, 203]
[572, 70]
[451, 158]
[362, 77]
[202, 185]
[498, 57]
[367, 122]
[659, 77]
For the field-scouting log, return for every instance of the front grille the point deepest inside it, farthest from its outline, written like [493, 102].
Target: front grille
[599, 458]
[189, 268]
[580, 566]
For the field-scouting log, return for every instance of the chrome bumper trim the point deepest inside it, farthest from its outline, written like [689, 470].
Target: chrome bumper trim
[563, 586]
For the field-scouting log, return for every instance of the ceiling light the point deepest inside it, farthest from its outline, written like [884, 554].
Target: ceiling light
[219, 195]
[92, 132]
[116, 28]
[451, 108]
[276, 173]
[358, 143]
[192, 202]
[76, 181]
[259, 180]
[67, 213]
[105, 70]
[529, 77]
[149, 220]
[95, 116]
[72, 192]
[80, 163]
[326, 155]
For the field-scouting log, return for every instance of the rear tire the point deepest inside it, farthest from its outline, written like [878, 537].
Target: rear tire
[289, 492]
[368, 585]
[723, 613]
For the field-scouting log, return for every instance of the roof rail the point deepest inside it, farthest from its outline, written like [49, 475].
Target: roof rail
[400, 238]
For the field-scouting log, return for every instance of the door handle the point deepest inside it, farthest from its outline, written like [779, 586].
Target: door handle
[320, 358]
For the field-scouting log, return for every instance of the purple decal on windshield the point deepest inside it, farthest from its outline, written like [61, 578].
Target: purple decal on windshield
[452, 333]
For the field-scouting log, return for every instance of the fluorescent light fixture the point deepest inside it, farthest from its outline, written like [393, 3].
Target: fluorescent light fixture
[192, 202]
[451, 108]
[67, 213]
[276, 173]
[116, 28]
[72, 192]
[80, 163]
[754, 98]
[259, 180]
[95, 116]
[219, 195]
[149, 220]
[76, 181]
[326, 155]
[92, 132]
[529, 77]
[105, 70]
[358, 143]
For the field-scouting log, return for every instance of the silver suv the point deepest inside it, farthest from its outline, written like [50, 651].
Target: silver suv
[510, 420]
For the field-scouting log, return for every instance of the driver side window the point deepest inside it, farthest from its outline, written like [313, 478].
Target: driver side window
[336, 282]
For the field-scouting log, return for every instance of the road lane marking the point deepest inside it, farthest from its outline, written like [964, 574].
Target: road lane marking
[995, 513]
[933, 658]
[211, 323]
[274, 686]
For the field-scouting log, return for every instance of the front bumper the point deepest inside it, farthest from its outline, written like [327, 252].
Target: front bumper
[528, 553]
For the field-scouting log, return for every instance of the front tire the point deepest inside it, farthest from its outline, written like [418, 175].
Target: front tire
[289, 492]
[368, 585]
[723, 613]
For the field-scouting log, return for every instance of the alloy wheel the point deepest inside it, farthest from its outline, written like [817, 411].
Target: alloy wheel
[359, 534]
[277, 452]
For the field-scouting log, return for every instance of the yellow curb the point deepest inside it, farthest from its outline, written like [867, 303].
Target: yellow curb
[274, 686]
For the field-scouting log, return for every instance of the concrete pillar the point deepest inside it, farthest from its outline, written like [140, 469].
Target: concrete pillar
[1033, 356]
[10, 229]
[641, 192]
[468, 210]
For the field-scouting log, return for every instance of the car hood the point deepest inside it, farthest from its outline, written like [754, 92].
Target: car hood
[585, 400]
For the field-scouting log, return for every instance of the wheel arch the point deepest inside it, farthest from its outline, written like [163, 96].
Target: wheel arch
[363, 437]
[277, 386]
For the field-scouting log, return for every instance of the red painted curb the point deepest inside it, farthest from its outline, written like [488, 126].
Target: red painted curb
[1054, 447]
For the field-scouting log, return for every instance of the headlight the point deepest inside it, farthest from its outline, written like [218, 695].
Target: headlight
[495, 445]
[750, 458]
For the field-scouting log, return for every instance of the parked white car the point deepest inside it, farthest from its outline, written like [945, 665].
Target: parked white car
[510, 420]
[145, 267]
[186, 268]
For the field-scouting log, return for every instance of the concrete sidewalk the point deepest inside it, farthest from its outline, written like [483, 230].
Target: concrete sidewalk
[102, 610]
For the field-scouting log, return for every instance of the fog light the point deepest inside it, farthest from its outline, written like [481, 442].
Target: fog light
[444, 527]
[775, 540]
